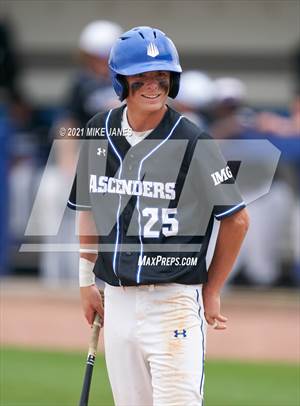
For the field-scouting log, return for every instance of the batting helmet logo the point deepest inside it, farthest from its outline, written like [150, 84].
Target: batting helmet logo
[152, 50]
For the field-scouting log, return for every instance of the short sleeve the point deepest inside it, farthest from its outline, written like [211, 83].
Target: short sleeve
[215, 180]
[80, 197]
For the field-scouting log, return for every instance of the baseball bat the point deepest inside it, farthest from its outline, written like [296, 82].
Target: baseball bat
[97, 324]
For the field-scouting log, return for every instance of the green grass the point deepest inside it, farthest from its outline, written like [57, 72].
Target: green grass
[252, 384]
[38, 378]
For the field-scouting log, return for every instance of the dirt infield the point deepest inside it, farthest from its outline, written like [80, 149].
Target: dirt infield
[262, 325]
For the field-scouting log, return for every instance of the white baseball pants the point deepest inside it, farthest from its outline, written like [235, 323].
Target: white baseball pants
[154, 340]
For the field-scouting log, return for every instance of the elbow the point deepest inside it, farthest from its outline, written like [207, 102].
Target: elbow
[238, 222]
[242, 220]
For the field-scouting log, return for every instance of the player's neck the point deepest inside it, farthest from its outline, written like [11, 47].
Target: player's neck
[141, 120]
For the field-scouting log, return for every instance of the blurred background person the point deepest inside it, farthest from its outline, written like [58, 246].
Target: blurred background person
[9, 64]
[91, 89]
[278, 125]
[90, 92]
[284, 125]
[18, 152]
[259, 264]
[8, 69]
[196, 97]
[231, 115]
[283, 130]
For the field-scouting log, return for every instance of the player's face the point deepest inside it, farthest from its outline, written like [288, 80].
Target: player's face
[148, 91]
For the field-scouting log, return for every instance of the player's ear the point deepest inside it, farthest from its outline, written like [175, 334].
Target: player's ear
[124, 86]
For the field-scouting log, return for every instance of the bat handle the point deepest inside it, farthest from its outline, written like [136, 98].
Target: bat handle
[97, 324]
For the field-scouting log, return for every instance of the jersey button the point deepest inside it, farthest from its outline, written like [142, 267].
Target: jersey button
[131, 156]
[128, 253]
[130, 167]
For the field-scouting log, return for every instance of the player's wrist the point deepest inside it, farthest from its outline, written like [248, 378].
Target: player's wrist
[86, 288]
[86, 274]
[88, 253]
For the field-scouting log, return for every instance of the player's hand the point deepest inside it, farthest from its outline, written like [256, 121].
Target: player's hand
[212, 308]
[91, 302]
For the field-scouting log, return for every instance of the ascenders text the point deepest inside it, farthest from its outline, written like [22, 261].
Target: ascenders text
[105, 184]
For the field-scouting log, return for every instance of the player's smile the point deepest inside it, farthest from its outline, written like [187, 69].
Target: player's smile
[151, 97]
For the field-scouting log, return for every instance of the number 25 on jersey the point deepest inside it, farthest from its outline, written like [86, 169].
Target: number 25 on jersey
[169, 222]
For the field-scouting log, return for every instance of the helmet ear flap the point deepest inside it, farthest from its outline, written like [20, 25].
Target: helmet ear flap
[120, 85]
[174, 84]
[124, 88]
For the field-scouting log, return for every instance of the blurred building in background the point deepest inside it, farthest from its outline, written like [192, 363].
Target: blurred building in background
[243, 57]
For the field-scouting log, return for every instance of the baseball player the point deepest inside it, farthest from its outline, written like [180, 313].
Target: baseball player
[91, 89]
[148, 188]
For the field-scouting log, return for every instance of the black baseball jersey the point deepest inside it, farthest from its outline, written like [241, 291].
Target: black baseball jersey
[153, 203]
[89, 94]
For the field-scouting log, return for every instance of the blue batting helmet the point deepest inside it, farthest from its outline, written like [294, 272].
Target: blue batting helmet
[143, 49]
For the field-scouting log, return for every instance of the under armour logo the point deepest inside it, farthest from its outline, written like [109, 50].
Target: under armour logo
[178, 333]
[152, 50]
[101, 151]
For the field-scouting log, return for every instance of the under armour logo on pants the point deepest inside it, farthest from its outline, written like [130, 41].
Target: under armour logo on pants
[178, 333]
